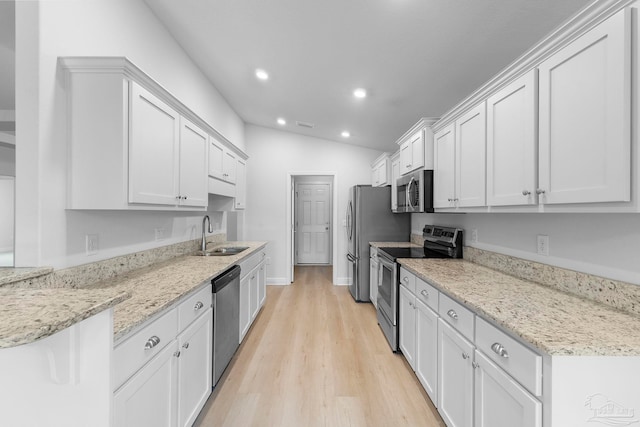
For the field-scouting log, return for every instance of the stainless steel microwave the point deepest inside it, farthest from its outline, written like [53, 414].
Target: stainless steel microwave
[415, 192]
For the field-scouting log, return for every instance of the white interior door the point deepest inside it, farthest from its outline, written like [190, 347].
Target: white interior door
[313, 223]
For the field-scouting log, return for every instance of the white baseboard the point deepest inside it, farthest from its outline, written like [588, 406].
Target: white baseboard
[277, 281]
[342, 281]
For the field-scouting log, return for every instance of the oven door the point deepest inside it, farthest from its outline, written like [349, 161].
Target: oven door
[387, 288]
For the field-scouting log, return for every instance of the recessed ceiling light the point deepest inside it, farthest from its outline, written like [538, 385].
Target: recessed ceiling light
[281, 121]
[262, 74]
[360, 93]
[345, 134]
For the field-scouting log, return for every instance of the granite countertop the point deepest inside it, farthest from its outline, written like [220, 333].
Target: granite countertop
[10, 275]
[555, 322]
[27, 315]
[158, 287]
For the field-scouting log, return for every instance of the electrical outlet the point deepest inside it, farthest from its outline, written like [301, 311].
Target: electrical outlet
[91, 244]
[543, 245]
[159, 232]
[474, 235]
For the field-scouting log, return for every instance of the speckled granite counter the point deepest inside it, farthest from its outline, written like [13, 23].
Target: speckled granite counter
[10, 275]
[157, 287]
[394, 244]
[555, 322]
[27, 315]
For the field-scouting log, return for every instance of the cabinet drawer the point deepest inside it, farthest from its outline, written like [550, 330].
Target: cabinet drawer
[456, 315]
[408, 279]
[520, 362]
[427, 294]
[132, 354]
[192, 307]
[250, 263]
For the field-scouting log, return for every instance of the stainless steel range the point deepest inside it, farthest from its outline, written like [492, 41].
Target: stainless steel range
[439, 242]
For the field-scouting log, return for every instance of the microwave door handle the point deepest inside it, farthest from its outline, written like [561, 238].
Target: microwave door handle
[411, 181]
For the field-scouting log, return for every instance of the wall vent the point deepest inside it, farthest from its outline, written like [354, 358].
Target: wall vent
[305, 124]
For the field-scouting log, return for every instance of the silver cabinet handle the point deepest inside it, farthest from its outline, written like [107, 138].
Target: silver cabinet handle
[185, 345]
[152, 342]
[425, 293]
[475, 365]
[178, 197]
[450, 200]
[198, 306]
[405, 279]
[540, 191]
[526, 192]
[500, 350]
[451, 313]
[465, 355]
[177, 353]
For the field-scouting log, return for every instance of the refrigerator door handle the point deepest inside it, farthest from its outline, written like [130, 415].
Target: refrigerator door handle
[351, 258]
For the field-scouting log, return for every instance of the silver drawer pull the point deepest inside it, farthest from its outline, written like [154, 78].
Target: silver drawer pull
[451, 313]
[198, 306]
[185, 345]
[405, 279]
[526, 192]
[425, 293]
[152, 342]
[500, 350]
[465, 355]
[177, 353]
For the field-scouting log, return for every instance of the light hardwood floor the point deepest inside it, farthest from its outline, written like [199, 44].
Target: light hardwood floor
[315, 357]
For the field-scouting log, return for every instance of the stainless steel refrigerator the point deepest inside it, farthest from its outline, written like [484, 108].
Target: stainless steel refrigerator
[369, 219]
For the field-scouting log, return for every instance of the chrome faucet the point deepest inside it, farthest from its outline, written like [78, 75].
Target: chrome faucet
[203, 244]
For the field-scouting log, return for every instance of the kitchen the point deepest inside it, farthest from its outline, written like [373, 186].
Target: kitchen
[598, 243]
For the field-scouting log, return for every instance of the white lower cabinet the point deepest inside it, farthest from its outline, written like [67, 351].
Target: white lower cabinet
[499, 400]
[426, 357]
[170, 386]
[148, 398]
[194, 369]
[455, 377]
[373, 275]
[407, 320]
[253, 292]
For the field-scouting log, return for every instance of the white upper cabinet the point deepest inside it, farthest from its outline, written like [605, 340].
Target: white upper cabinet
[241, 184]
[380, 171]
[395, 174]
[412, 153]
[222, 162]
[512, 143]
[153, 149]
[444, 184]
[193, 165]
[470, 158]
[585, 96]
[132, 145]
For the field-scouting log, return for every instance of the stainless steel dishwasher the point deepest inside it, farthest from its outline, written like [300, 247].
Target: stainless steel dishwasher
[226, 319]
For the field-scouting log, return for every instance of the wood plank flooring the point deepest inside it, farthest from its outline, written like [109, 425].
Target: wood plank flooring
[315, 357]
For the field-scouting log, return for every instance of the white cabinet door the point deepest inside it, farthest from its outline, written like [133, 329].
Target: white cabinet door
[405, 158]
[148, 398]
[470, 154]
[512, 161]
[407, 325]
[241, 184]
[500, 401]
[245, 304]
[262, 284]
[426, 355]
[373, 280]
[254, 291]
[193, 165]
[585, 93]
[444, 168]
[455, 377]
[194, 368]
[153, 149]
[216, 158]
[417, 150]
[229, 167]
[395, 174]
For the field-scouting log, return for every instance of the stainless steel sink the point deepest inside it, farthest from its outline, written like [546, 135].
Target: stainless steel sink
[232, 250]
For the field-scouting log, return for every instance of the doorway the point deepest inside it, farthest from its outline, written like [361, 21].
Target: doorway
[311, 234]
[312, 220]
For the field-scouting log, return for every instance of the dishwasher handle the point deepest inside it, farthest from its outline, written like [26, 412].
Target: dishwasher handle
[225, 278]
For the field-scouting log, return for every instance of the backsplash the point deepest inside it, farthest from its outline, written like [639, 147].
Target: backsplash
[87, 274]
[621, 295]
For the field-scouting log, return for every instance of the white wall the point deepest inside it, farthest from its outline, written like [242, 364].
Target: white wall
[7, 160]
[46, 234]
[606, 245]
[272, 155]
